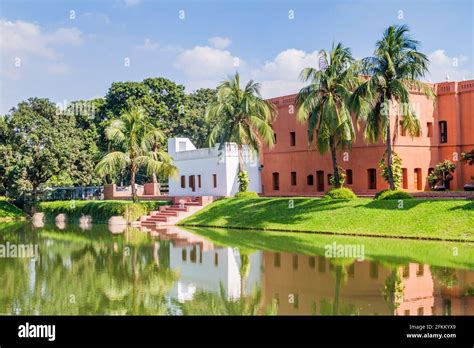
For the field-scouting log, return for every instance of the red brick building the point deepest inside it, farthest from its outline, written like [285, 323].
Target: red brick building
[447, 124]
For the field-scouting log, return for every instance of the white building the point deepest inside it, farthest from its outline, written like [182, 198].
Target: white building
[210, 171]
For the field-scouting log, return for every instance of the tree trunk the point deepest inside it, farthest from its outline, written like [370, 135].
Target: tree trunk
[241, 159]
[133, 173]
[336, 180]
[389, 157]
[153, 178]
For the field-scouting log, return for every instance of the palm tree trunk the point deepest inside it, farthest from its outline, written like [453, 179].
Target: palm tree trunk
[153, 178]
[337, 183]
[389, 157]
[133, 173]
[241, 158]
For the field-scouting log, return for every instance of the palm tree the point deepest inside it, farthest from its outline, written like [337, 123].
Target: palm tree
[136, 142]
[240, 116]
[324, 103]
[392, 72]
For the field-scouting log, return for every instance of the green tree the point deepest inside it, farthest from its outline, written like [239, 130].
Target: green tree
[194, 122]
[323, 104]
[134, 138]
[240, 116]
[39, 142]
[392, 72]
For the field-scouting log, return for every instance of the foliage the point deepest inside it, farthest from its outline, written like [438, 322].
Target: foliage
[194, 125]
[324, 103]
[445, 276]
[342, 178]
[100, 211]
[9, 211]
[397, 171]
[340, 193]
[246, 194]
[137, 145]
[393, 194]
[441, 174]
[468, 157]
[378, 194]
[243, 178]
[392, 71]
[40, 142]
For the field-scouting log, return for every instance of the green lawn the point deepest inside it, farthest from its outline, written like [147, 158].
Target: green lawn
[398, 251]
[9, 212]
[430, 219]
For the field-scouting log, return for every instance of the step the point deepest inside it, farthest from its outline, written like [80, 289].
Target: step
[167, 213]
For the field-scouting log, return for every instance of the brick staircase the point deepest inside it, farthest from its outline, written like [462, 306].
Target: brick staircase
[181, 208]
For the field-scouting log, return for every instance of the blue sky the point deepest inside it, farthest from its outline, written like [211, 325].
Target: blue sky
[48, 51]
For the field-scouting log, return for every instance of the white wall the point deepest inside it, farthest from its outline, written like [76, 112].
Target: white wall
[206, 162]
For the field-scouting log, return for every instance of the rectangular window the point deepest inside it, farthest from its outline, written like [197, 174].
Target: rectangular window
[310, 180]
[277, 260]
[349, 176]
[192, 184]
[274, 138]
[193, 254]
[320, 180]
[321, 264]
[199, 181]
[184, 255]
[406, 271]
[351, 270]
[312, 261]
[404, 178]
[417, 183]
[372, 178]
[443, 132]
[429, 129]
[295, 262]
[183, 181]
[276, 181]
[374, 270]
[403, 131]
[421, 311]
[292, 139]
[216, 259]
[329, 179]
[420, 270]
[293, 178]
[214, 180]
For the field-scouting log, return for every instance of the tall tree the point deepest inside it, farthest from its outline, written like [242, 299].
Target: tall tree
[240, 116]
[393, 70]
[324, 103]
[134, 139]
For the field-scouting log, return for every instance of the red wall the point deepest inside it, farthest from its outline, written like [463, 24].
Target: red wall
[453, 104]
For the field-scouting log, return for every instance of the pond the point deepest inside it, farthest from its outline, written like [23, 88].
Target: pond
[92, 270]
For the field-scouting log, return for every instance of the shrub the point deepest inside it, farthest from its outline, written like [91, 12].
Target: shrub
[378, 194]
[397, 171]
[247, 194]
[395, 194]
[100, 211]
[243, 181]
[340, 193]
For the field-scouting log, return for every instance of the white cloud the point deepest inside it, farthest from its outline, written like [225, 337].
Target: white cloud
[219, 42]
[149, 45]
[204, 62]
[442, 65]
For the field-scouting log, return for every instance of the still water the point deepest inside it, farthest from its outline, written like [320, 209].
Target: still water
[127, 271]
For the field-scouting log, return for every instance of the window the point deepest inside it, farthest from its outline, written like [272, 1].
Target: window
[276, 181]
[429, 129]
[216, 259]
[403, 131]
[199, 181]
[274, 138]
[292, 139]
[404, 178]
[329, 179]
[406, 271]
[420, 270]
[277, 260]
[320, 180]
[421, 311]
[183, 254]
[407, 312]
[321, 264]
[372, 178]
[293, 178]
[192, 183]
[310, 180]
[349, 176]
[182, 146]
[312, 261]
[374, 270]
[214, 180]
[295, 262]
[193, 254]
[417, 181]
[443, 132]
[183, 181]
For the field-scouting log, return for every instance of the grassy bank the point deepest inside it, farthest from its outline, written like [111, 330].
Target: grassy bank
[100, 211]
[8, 212]
[398, 251]
[417, 218]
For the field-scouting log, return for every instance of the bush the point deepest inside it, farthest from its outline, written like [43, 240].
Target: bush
[247, 194]
[340, 193]
[378, 194]
[100, 211]
[396, 194]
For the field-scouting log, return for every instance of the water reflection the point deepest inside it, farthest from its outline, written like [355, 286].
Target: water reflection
[88, 269]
